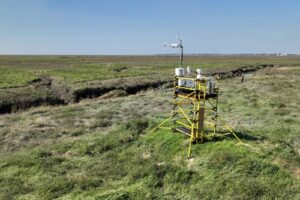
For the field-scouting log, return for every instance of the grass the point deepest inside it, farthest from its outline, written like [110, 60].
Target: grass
[73, 78]
[14, 77]
[100, 149]
[20, 70]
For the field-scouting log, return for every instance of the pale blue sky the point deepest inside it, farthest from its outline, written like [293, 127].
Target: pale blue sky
[142, 26]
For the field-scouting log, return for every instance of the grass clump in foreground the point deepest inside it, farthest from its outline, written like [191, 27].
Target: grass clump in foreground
[122, 161]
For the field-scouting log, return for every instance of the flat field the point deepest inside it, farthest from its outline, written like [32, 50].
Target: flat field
[100, 148]
[29, 81]
[21, 70]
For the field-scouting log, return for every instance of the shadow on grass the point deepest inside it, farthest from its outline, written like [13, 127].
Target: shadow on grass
[246, 136]
[224, 135]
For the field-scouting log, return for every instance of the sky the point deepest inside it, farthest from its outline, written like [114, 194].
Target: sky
[123, 27]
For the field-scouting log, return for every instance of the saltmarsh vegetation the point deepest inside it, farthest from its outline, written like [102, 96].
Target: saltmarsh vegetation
[35, 80]
[21, 70]
[100, 149]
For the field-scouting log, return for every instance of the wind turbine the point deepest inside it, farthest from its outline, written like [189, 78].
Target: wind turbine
[177, 45]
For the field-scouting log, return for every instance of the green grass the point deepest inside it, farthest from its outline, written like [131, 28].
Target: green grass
[128, 165]
[73, 75]
[100, 149]
[20, 70]
[14, 77]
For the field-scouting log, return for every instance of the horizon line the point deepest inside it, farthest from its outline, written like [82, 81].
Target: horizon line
[168, 54]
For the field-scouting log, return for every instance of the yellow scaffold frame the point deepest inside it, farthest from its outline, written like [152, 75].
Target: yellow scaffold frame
[195, 111]
[190, 109]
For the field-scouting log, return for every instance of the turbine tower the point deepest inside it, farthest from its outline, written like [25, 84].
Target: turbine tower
[178, 45]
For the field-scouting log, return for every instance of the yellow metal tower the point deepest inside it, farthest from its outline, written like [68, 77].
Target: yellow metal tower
[195, 106]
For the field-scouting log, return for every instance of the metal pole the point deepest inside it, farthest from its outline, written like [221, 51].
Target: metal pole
[181, 55]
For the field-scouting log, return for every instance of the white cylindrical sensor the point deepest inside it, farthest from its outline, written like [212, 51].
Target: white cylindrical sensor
[199, 71]
[179, 71]
[181, 82]
[188, 70]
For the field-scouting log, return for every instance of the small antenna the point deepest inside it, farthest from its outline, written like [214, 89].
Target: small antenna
[177, 45]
